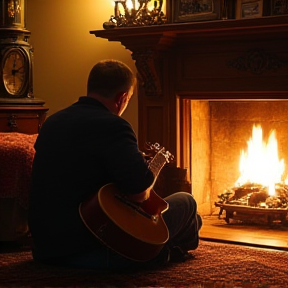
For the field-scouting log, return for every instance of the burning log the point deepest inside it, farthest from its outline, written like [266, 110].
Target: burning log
[256, 195]
[256, 205]
[246, 189]
[256, 198]
[273, 202]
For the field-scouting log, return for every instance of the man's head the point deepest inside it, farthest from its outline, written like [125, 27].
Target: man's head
[111, 82]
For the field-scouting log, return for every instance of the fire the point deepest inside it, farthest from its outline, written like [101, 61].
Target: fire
[260, 163]
[130, 4]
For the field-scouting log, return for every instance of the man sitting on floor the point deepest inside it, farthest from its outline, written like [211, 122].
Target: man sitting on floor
[79, 150]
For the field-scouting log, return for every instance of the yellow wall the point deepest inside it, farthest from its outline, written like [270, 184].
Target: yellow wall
[64, 51]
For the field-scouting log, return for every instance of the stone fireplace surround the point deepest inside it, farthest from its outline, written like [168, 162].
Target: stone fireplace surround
[191, 72]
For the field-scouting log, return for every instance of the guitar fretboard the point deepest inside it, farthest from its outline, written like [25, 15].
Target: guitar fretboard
[157, 163]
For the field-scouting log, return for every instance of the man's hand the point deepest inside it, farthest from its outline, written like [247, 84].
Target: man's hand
[140, 197]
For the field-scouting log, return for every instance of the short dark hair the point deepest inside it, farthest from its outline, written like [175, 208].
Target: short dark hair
[109, 77]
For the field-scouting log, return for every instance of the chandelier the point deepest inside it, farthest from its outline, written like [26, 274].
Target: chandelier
[129, 13]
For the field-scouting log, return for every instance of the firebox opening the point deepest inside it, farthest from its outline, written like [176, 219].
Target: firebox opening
[213, 133]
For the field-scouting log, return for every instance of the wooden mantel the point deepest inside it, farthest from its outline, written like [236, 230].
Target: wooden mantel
[162, 36]
[246, 59]
[147, 42]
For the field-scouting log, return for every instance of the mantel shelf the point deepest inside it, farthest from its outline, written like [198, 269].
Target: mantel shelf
[161, 36]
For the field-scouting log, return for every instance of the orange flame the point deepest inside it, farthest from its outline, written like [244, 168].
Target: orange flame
[260, 163]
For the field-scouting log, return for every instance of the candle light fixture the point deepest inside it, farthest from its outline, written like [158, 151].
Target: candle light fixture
[136, 13]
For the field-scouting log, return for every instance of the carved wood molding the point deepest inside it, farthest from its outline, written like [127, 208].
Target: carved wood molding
[257, 62]
[150, 44]
[148, 66]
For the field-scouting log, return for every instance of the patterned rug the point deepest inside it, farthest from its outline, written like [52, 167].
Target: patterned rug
[215, 265]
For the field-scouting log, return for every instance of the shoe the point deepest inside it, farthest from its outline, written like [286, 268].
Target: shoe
[162, 258]
[178, 255]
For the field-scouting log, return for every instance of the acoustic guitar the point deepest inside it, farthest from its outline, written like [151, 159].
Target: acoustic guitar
[135, 231]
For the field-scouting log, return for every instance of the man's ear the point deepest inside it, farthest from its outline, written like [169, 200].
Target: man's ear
[119, 98]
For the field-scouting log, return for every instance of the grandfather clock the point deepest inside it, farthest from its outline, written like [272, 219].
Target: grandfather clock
[20, 111]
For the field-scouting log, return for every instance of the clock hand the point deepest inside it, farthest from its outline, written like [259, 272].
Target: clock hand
[14, 61]
[14, 71]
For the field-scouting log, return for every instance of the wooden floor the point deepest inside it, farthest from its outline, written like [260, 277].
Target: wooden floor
[215, 229]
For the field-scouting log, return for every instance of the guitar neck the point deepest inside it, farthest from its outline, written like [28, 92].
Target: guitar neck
[157, 163]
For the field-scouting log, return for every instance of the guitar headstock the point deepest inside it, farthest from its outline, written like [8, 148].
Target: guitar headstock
[156, 148]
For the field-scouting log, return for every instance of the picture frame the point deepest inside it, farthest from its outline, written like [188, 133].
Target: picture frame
[279, 7]
[249, 9]
[195, 10]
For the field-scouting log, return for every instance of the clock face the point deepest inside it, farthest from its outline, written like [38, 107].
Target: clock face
[14, 71]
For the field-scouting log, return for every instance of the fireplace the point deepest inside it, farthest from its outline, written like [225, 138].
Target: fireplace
[218, 132]
[202, 87]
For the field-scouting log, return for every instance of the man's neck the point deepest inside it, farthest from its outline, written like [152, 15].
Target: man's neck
[109, 103]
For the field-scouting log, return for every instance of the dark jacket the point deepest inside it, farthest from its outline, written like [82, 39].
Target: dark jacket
[79, 149]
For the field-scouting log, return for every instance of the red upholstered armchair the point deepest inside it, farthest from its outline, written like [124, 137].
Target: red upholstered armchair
[16, 157]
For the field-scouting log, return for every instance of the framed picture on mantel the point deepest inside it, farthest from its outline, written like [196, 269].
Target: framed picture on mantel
[195, 10]
[279, 7]
[249, 9]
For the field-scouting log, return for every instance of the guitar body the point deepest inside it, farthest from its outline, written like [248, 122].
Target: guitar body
[136, 232]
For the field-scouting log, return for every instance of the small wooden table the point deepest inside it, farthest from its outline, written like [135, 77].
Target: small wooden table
[23, 116]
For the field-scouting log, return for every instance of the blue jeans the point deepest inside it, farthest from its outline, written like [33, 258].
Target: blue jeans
[183, 224]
